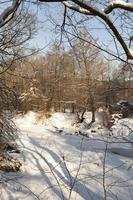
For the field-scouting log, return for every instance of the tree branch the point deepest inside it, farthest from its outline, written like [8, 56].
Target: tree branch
[107, 20]
[82, 7]
[119, 4]
[9, 12]
[77, 9]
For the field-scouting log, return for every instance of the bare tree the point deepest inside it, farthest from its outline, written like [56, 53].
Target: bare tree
[13, 38]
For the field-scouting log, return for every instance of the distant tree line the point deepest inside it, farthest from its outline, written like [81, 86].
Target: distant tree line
[62, 80]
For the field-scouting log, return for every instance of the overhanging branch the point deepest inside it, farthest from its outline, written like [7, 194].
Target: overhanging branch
[83, 7]
[7, 14]
[119, 4]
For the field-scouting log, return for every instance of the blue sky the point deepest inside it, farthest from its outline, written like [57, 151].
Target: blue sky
[46, 31]
[46, 34]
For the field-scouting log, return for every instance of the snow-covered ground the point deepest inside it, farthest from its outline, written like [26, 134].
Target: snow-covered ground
[58, 163]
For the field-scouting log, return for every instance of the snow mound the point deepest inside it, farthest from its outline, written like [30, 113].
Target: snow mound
[124, 129]
[30, 119]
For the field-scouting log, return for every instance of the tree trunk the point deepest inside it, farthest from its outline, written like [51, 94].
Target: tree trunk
[93, 115]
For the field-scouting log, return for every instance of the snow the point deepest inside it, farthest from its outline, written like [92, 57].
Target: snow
[119, 2]
[63, 165]
[131, 52]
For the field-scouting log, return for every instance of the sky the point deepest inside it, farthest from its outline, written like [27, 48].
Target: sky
[50, 14]
[46, 33]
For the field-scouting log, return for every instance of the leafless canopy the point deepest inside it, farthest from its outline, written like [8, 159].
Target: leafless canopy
[86, 8]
